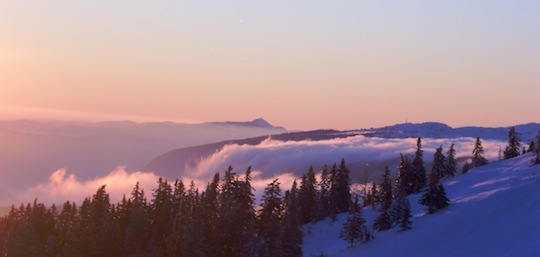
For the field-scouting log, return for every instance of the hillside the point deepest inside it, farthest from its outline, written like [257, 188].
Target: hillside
[494, 212]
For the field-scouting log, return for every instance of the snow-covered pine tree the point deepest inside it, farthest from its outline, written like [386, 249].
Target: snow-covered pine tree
[355, 230]
[384, 220]
[323, 195]
[513, 148]
[532, 146]
[438, 168]
[435, 198]
[418, 173]
[466, 167]
[405, 211]
[536, 159]
[340, 192]
[450, 166]
[403, 176]
[478, 158]
[374, 195]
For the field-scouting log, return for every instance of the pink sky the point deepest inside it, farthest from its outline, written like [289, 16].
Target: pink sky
[300, 65]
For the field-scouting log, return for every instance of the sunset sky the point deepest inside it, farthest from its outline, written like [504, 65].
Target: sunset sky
[298, 64]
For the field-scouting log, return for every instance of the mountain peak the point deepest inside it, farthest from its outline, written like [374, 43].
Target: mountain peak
[260, 122]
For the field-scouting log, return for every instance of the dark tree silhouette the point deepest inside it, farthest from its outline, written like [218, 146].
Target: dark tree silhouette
[513, 148]
[478, 152]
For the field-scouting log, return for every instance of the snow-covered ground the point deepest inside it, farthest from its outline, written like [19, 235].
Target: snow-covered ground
[494, 211]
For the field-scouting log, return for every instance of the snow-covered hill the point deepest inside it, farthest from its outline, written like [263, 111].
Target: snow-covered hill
[494, 211]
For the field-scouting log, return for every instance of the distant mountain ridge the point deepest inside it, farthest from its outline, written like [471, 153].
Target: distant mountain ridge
[527, 131]
[175, 162]
[260, 123]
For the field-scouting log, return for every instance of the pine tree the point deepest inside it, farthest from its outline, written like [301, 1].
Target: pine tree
[237, 219]
[435, 198]
[270, 218]
[161, 217]
[210, 217]
[466, 167]
[374, 195]
[137, 236]
[403, 184]
[384, 221]
[478, 158]
[438, 168]
[532, 147]
[355, 230]
[340, 194]
[450, 166]
[323, 197]
[404, 221]
[190, 237]
[66, 226]
[292, 235]
[513, 148]
[536, 159]
[308, 197]
[418, 172]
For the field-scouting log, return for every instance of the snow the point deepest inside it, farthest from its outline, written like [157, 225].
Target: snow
[494, 211]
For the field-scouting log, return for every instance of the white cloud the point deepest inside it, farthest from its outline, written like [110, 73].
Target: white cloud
[271, 159]
[62, 186]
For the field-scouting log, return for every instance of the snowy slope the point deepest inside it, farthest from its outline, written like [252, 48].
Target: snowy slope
[494, 211]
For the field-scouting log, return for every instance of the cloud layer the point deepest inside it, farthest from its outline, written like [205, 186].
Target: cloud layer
[276, 157]
[270, 159]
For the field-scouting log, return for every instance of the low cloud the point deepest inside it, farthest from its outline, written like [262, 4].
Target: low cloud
[62, 186]
[271, 159]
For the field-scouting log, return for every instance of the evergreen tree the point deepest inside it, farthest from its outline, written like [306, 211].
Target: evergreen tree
[466, 167]
[323, 198]
[438, 168]
[137, 236]
[237, 219]
[532, 147]
[161, 218]
[536, 159]
[340, 194]
[210, 217]
[292, 235]
[270, 218]
[190, 241]
[435, 198]
[403, 184]
[450, 166]
[478, 158]
[374, 195]
[513, 148]
[308, 197]
[404, 207]
[384, 221]
[355, 230]
[66, 226]
[418, 172]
